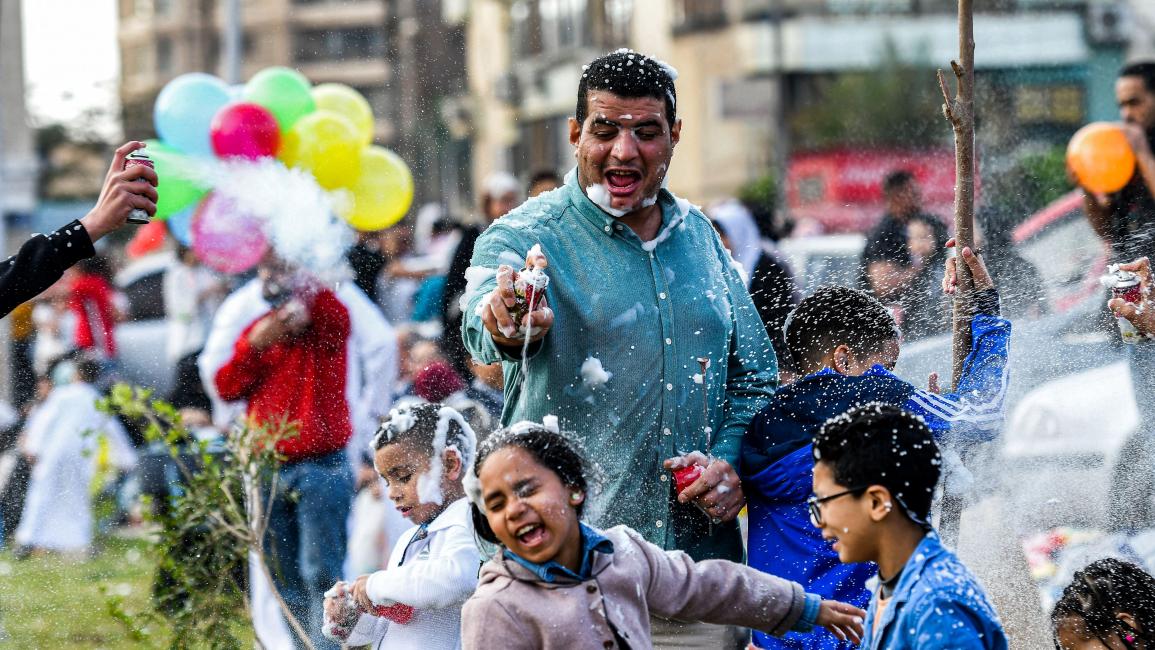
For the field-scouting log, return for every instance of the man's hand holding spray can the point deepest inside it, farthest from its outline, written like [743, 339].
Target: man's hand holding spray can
[1130, 286]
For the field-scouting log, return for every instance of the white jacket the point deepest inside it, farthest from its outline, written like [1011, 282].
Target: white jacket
[434, 576]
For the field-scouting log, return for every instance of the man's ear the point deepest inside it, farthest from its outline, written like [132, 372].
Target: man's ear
[452, 464]
[879, 501]
[676, 131]
[575, 131]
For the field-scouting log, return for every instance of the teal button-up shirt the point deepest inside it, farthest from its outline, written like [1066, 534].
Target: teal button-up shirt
[648, 312]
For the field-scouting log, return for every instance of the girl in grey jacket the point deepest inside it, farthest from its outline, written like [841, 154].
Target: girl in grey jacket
[556, 583]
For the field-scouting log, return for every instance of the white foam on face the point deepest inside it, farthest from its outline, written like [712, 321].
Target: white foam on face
[429, 483]
[601, 197]
[593, 374]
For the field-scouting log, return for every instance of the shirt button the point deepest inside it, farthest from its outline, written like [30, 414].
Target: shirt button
[669, 387]
[663, 478]
[662, 295]
[607, 229]
[666, 431]
[658, 523]
[591, 588]
[669, 341]
[618, 226]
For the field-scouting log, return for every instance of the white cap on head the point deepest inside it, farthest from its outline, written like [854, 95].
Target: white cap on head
[500, 183]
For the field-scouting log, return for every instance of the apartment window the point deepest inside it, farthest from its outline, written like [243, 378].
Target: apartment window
[378, 98]
[1049, 104]
[543, 144]
[618, 21]
[691, 15]
[164, 55]
[340, 44]
[551, 26]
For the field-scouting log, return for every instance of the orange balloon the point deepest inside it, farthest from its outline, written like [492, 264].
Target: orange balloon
[1100, 157]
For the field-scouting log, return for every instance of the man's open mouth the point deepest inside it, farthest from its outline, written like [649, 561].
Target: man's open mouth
[623, 182]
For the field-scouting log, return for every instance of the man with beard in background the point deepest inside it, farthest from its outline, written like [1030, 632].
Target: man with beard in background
[1125, 220]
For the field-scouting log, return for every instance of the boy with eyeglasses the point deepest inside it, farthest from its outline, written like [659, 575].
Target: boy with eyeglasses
[875, 470]
[845, 343]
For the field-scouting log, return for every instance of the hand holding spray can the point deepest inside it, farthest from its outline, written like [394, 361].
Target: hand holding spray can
[137, 215]
[529, 289]
[1127, 286]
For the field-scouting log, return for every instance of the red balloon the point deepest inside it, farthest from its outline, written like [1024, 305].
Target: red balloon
[244, 129]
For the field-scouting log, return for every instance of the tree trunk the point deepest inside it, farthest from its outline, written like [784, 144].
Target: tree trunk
[959, 111]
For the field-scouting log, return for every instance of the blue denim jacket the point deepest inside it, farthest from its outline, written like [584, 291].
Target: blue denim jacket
[938, 605]
[647, 312]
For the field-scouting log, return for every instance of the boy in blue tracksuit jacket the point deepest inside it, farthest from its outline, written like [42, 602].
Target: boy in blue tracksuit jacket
[845, 342]
[875, 469]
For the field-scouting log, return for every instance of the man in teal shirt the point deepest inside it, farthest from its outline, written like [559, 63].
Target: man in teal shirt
[649, 347]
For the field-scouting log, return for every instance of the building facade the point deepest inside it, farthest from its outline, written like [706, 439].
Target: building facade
[404, 56]
[749, 68]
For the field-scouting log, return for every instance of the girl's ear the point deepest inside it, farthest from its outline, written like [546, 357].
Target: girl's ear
[879, 502]
[1128, 620]
[452, 464]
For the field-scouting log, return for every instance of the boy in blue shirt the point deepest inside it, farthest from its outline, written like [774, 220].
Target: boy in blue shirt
[845, 343]
[875, 470]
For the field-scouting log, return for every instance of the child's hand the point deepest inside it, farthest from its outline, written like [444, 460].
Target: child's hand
[842, 620]
[335, 600]
[718, 491]
[982, 278]
[361, 594]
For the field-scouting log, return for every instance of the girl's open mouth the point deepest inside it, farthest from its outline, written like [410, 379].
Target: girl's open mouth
[531, 535]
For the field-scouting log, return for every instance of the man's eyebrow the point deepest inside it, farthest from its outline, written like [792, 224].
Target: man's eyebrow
[605, 121]
[647, 123]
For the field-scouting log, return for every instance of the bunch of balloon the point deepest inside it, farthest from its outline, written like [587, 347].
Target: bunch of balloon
[326, 130]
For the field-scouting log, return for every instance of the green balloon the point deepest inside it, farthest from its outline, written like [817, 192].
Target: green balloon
[180, 183]
[285, 92]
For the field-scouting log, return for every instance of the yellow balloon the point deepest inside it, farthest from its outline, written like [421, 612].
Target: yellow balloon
[326, 144]
[383, 193]
[343, 100]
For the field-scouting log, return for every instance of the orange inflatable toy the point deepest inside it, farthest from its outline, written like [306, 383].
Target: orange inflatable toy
[1100, 157]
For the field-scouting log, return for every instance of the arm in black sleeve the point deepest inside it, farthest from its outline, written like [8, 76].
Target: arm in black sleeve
[40, 263]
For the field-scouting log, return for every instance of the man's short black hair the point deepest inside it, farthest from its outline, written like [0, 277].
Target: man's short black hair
[881, 444]
[628, 74]
[835, 316]
[1145, 70]
[896, 180]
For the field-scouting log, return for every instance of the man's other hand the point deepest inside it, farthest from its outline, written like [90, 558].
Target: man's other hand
[718, 491]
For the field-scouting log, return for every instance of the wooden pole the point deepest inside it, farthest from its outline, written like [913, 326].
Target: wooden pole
[959, 111]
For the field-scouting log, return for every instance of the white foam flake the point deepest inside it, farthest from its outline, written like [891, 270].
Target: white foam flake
[594, 376]
[683, 208]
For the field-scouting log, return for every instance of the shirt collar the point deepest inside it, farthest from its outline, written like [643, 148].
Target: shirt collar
[592, 542]
[877, 370]
[454, 514]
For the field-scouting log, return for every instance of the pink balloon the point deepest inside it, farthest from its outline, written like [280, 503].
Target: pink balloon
[247, 130]
[226, 239]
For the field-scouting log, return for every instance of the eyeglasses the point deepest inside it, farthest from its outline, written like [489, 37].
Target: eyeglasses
[815, 504]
